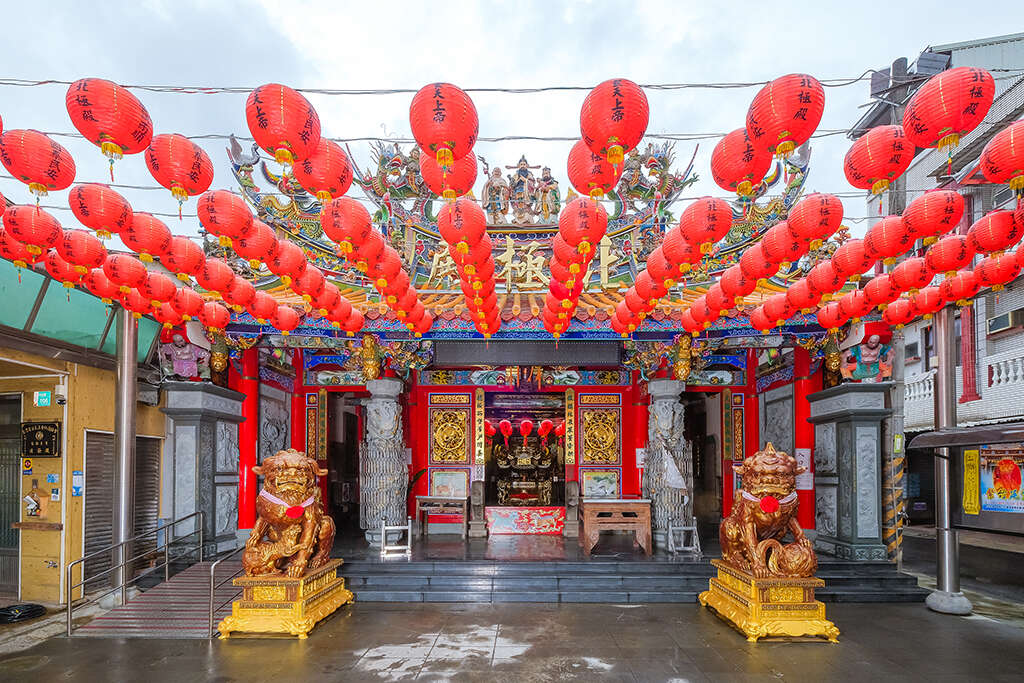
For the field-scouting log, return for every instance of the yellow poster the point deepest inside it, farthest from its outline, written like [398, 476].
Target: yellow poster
[972, 484]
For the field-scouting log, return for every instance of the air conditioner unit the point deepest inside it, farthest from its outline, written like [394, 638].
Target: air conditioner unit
[1006, 321]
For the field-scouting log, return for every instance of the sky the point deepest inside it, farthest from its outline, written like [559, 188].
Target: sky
[527, 43]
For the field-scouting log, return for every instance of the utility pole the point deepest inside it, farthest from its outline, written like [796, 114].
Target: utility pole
[124, 444]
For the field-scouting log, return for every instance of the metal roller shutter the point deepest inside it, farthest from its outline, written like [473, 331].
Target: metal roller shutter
[147, 495]
[10, 484]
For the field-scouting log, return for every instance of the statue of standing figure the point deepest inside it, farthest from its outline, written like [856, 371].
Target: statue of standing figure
[495, 195]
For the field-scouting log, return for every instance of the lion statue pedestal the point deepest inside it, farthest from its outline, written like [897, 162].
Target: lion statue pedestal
[290, 583]
[764, 587]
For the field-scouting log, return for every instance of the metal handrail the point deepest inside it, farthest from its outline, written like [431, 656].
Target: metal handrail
[214, 586]
[123, 586]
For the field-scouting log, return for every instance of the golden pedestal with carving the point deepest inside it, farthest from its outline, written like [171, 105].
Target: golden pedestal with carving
[280, 604]
[765, 608]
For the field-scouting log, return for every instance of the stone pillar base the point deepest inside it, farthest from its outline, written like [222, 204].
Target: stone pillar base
[478, 529]
[849, 551]
[949, 603]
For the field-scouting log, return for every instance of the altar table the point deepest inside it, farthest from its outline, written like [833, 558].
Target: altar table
[616, 514]
[441, 505]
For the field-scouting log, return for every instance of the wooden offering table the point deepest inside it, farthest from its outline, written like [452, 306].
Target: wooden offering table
[616, 514]
[441, 505]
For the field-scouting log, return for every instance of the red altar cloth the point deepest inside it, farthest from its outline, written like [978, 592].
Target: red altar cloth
[525, 520]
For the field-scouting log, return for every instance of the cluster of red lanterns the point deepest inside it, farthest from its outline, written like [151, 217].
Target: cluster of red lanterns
[581, 226]
[445, 125]
[463, 226]
[525, 427]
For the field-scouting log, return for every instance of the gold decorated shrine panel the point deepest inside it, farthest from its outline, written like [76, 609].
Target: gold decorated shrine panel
[600, 435]
[450, 441]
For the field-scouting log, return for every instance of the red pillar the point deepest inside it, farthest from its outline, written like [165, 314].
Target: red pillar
[751, 413]
[804, 384]
[248, 437]
[298, 403]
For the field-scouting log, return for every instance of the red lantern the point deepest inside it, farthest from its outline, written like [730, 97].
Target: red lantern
[887, 239]
[831, 317]
[815, 218]
[648, 288]
[289, 261]
[216, 276]
[100, 208]
[995, 232]
[589, 173]
[824, 279]
[899, 313]
[263, 307]
[387, 268]
[180, 165]
[717, 301]
[626, 317]
[258, 246]
[545, 428]
[660, 268]
[880, 291]
[187, 303]
[33, 227]
[877, 158]
[82, 249]
[136, 303]
[1002, 160]
[785, 113]
[354, 323]
[949, 254]
[736, 285]
[850, 260]
[423, 326]
[582, 224]
[36, 160]
[506, 429]
[777, 308]
[183, 257]
[801, 297]
[855, 304]
[225, 215]
[347, 222]
[444, 122]
[147, 235]
[738, 166]
[932, 214]
[755, 265]
[680, 252]
[214, 316]
[282, 122]
[328, 298]
[638, 305]
[110, 117]
[689, 324]
[340, 312]
[781, 247]
[525, 427]
[159, 288]
[761, 321]
[912, 274]
[285, 319]
[996, 271]
[165, 314]
[451, 183]
[16, 252]
[240, 294]
[61, 270]
[613, 118]
[462, 224]
[702, 313]
[928, 301]
[950, 105]
[327, 172]
[127, 272]
[705, 221]
[309, 283]
[960, 288]
[97, 282]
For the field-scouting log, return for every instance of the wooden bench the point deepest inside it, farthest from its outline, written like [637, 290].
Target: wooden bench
[441, 505]
[615, 514]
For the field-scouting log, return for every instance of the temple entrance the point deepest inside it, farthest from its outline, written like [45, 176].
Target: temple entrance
[525, 468]
[344, 424]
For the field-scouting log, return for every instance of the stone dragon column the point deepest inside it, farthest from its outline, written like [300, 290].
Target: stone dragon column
[668, 472]
[383, 476]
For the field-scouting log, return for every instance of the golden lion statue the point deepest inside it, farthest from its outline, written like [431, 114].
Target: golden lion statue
[764, 510]
[298, 534]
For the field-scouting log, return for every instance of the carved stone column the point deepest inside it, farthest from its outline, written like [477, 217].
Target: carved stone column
[668, 472]
[383, 477]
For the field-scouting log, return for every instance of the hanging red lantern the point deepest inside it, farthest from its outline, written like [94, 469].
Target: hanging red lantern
[755, 265]
[423, 325]
[216, 276]
[855, 304]
[589, 173]
[159, 288]
[995, 271]
[617, 326]
[781, 247]
[147, 235]
[613, 118]
[61, 270]
[761, 321]
[346, 222]
[717, 300]
[462, 224]
[187, 303]
[444, 122]
[912, 274]
[451, 183]
[224, 215]
[880, 291]
[660, 268]
[736, 285]
[634, 302]
[887, 239]
[283, 123]
[832, 317]
[785, 113]
[328, 298]
[1002, 160]
[877, 158]
[648, 288]
[240, 294]
[995, 232]
[899, 313]
[628, 318]
[214, 316]
[386, 268]
[525, 428]
[545, 428]
[801, 297]
[109, 117]
[184, 258]
[948, 106]
[850, 260]
[100, 285]
[705, 221]
[354, 323]
[167, 316]
[928, 301]
[136, 303]
[180, 165]
[309, 283]
[489, 429]
[367, 255]
[505, 426]
[37, 161]
[824, 280]
[681, 252]
[82, 249]
[263, 307]
[127, 272]
[327, 172]
[16, 252]
[737, 165]
[258, 246]
[689, 324]
[702, 313]
[100, 208]
[777, 308]
[33, 227]
[815, 218]
[960, 288]
[569, 255]
[285, 319]
[933, 214]
[289, 261]
[340, 312]
[582, 224]
[950, 254]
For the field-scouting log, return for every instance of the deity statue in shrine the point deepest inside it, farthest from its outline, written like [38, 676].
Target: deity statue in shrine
[495, 195]
[547, 197]
[184, 360]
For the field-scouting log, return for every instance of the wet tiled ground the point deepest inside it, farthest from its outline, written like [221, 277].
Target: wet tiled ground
[522, 642]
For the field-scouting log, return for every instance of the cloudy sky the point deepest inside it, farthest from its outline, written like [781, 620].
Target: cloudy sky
[522, 44]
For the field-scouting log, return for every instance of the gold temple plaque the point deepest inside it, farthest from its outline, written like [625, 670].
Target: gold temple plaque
[449, 435]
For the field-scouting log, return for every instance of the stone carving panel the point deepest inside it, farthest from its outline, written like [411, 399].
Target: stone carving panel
[825, 448]
[668, 475]
[867, 481]
[825, 510]
[227, 510]
[845, 458]
[274, 421]
[227, 447]
[778, 424]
